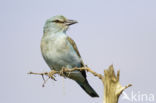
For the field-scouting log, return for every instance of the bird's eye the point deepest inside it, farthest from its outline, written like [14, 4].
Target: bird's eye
[57, 21]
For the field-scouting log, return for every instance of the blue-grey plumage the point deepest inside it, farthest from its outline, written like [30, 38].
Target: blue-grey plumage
[59, 50]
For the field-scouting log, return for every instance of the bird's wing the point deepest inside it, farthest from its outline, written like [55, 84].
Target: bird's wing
[71, 41]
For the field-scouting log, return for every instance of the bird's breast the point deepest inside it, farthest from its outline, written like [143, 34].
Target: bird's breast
[53, 47]
[58, 52]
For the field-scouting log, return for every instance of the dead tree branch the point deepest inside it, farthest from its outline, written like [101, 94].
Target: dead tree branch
[112, 86]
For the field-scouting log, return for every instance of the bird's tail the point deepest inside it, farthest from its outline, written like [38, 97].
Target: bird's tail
[88, 89]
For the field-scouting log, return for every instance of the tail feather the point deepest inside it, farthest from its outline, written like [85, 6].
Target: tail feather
[88, 89]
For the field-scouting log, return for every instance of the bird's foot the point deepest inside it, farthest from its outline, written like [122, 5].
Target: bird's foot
[51, 74]
[62, 72]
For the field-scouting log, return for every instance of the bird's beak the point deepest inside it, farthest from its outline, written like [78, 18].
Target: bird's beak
[70, 22]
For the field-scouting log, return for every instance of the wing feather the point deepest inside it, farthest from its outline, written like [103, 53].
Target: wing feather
[71, 41]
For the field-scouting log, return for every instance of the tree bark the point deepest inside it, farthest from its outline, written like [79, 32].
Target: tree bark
[112, 87]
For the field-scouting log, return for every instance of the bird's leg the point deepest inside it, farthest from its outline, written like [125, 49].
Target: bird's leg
[69, 71]
[51, 74]
[69, 74]
[62, 72]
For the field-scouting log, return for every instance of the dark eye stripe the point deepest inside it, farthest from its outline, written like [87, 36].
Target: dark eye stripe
[58, 21]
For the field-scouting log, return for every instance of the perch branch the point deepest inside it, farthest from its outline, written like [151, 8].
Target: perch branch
[112, 87]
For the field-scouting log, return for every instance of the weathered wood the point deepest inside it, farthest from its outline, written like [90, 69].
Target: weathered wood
[112, 86]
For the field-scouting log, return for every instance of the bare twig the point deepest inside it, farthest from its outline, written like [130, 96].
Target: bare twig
[112, 87]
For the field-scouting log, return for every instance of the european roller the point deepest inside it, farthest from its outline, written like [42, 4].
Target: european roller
[59, 50]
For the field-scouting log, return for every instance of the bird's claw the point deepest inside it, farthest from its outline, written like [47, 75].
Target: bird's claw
[51, 74]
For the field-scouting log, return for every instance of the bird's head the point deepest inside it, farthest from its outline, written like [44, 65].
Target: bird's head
[58, 24]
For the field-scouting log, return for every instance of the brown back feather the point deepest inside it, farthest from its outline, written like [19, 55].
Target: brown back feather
[71, 41]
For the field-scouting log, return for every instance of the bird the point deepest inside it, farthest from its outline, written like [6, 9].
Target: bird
[59, 50]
